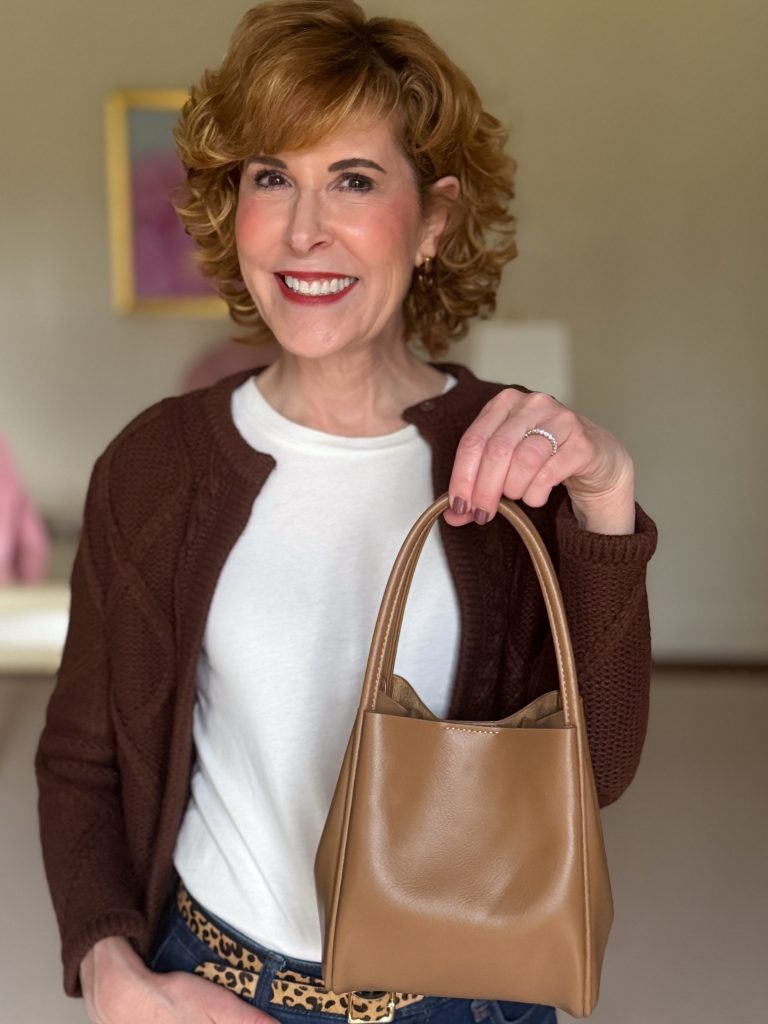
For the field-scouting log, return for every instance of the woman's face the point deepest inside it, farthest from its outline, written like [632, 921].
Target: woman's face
[328, 238]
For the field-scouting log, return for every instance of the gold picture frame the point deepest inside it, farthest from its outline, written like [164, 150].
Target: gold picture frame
[153, 268]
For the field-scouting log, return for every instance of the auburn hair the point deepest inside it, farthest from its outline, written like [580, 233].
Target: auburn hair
[295, 71]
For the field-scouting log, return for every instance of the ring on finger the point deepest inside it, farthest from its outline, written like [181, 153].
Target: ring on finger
[539, 432]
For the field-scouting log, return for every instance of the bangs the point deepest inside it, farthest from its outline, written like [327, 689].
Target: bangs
[284, 110]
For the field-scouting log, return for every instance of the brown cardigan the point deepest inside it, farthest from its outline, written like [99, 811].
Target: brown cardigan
[166, 502]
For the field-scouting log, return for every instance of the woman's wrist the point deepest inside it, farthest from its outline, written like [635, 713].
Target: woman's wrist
[103, 959]
[611, 514]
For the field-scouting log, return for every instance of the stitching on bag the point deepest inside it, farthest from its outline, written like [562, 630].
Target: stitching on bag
[481, 731]
[381, 658]
[559, 655]
[388, 627]
[384, 639]
[558, 652]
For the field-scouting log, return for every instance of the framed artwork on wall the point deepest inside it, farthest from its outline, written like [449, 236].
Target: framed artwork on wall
[152, 259]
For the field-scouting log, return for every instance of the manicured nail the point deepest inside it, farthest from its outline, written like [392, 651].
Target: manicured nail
[459, 506]
[481, 516]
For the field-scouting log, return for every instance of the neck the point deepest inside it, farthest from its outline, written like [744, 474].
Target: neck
[353, 394]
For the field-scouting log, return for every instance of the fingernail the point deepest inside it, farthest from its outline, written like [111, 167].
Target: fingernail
[481, 516]
[459, 506]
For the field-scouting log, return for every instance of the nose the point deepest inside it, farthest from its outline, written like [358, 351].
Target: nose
[308, 225]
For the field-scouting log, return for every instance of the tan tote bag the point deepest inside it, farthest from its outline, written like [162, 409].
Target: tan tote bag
[465, 859]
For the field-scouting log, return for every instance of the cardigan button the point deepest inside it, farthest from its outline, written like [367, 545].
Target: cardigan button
[427, 406]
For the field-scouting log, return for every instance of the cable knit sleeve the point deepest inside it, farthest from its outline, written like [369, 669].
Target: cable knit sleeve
[603, 582]
[81, 819]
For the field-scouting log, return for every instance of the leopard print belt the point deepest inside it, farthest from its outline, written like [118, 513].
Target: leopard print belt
[241, 971]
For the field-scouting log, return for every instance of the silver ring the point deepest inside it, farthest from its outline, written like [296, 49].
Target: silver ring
[543, 433]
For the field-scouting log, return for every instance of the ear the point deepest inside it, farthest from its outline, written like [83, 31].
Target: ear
[440, 198]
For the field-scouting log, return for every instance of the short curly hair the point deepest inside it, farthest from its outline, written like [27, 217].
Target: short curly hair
[295, 71]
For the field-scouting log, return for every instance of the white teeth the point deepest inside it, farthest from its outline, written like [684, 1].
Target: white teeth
[328, 286]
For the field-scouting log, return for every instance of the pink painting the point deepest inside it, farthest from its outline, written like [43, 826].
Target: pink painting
[164, 264]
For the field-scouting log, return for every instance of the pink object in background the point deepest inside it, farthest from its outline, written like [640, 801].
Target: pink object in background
[23, 537]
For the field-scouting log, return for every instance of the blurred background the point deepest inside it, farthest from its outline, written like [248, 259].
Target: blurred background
[639, 295]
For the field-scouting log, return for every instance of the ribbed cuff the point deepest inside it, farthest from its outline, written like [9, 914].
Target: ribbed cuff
[128, 924]
[574, 542]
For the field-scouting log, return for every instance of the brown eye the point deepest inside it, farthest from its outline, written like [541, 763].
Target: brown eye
[269, 179]
[356, 183]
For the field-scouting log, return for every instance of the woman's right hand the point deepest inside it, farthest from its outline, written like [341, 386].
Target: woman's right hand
[119, 989]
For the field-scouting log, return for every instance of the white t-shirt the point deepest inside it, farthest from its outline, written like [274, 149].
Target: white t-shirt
[284, 651]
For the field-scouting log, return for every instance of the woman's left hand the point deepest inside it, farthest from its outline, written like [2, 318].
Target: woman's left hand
[495, 458]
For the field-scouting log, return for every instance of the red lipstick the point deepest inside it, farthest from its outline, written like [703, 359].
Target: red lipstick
[303, 277]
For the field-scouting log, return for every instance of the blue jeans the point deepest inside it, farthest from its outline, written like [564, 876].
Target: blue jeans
[176, 948]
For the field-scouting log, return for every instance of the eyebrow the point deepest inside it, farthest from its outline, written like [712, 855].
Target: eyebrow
[356, 161]
[340, 165]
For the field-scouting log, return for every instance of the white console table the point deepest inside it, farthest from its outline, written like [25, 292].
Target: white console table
[33, 626]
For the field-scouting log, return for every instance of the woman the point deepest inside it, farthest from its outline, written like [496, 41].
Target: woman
[348, 193]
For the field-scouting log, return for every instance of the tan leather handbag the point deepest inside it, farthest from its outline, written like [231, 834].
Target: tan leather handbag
[465, 859]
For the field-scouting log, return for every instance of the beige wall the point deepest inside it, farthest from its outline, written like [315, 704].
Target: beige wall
[640, 132]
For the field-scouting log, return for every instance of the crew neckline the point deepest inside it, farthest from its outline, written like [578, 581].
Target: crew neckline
[258, 409]
[427, 416]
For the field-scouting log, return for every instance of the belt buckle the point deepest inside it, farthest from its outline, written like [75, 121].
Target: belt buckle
[386, 1019]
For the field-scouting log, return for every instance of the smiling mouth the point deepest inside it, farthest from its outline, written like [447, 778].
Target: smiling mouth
[316, 287]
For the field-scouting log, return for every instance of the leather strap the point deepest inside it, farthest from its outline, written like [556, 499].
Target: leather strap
[389, 622]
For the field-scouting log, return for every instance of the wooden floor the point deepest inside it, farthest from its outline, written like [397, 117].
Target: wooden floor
[687, 845]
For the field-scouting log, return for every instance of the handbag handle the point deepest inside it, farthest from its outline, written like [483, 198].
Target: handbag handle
[388, 624]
